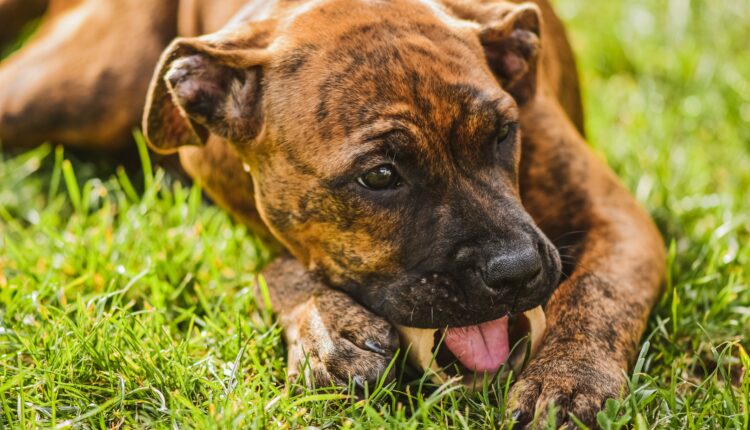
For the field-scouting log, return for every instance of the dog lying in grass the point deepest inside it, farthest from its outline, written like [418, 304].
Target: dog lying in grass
[414, 162]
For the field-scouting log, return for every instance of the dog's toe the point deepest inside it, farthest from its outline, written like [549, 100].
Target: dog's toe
[334, 341]
[552, 392]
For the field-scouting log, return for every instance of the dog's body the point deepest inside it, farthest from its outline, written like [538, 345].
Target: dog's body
[354, 135]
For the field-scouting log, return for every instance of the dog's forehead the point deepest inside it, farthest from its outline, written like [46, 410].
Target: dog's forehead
[338, 24]
[359, 66]
[333, 14]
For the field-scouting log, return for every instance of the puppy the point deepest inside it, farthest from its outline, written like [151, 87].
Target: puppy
[415, 162]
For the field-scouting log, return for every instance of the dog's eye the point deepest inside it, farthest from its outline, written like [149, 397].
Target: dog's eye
[503, 133]
[380, 178]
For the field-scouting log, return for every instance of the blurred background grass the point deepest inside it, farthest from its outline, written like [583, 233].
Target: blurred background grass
[667, 95]
[125, 300]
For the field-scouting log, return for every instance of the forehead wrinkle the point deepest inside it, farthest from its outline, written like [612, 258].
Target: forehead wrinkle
[441, 135]
[461, 120]
[389, 136]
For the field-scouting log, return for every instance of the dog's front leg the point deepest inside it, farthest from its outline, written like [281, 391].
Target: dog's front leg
[614, 263]
[331, 339]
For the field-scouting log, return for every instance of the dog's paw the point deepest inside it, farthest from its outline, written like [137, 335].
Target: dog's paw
[575, 385]
[334, 340]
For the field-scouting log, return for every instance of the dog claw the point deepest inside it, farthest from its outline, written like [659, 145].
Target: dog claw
[359, 381]
[375, 347]
[520, 419]
[516, 416]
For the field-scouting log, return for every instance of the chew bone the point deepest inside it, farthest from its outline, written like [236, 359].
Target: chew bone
[421, 343]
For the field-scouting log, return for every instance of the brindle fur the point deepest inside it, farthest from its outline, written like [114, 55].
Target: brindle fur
[292, 89]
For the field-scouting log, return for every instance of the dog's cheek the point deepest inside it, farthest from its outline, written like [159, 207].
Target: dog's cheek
[349, 241]
[276, 188]
[343, 239]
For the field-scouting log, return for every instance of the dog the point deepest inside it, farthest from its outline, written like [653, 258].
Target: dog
[414, 162]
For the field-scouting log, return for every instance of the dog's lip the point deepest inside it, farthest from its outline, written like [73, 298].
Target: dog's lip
[434, 299]
[507, 314]
[509, 308]
[491, 317]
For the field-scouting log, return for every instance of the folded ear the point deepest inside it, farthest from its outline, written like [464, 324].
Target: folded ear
[208, 85]
[512, 45]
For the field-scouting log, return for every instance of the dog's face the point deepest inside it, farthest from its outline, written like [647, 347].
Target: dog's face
[384, 146]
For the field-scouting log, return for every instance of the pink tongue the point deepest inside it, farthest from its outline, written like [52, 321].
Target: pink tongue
[482, 347]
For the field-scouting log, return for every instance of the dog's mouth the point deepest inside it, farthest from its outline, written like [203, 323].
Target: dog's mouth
[481, 348]
[476, 350]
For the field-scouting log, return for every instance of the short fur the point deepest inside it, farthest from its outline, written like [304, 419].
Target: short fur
[307, 95]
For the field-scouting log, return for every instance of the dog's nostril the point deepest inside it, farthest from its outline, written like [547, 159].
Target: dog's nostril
[512, 269]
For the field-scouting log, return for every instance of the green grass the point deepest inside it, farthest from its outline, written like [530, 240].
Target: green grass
[127, 300]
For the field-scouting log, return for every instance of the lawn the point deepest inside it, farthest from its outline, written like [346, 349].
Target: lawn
[126, 299]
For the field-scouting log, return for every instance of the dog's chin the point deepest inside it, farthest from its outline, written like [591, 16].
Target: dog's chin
[435, 301]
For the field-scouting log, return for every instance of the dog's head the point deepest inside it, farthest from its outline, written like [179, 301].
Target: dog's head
[384, 146]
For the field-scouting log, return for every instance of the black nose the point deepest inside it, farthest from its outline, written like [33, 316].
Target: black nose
[512, 268]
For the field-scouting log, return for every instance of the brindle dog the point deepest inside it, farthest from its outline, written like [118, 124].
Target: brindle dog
[420, 162]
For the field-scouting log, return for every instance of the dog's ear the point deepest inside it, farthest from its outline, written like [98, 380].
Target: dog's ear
[512, 45]
[208, 85]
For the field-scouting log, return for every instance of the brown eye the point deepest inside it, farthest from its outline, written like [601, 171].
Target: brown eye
[380, 178]
[503, 133]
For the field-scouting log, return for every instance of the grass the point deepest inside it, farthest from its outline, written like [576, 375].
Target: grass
[126, 300]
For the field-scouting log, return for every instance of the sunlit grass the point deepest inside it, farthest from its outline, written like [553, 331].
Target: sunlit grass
[128, 300]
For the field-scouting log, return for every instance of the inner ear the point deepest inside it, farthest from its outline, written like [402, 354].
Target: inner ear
[216, 98]
[512, 45]
[209, 85]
